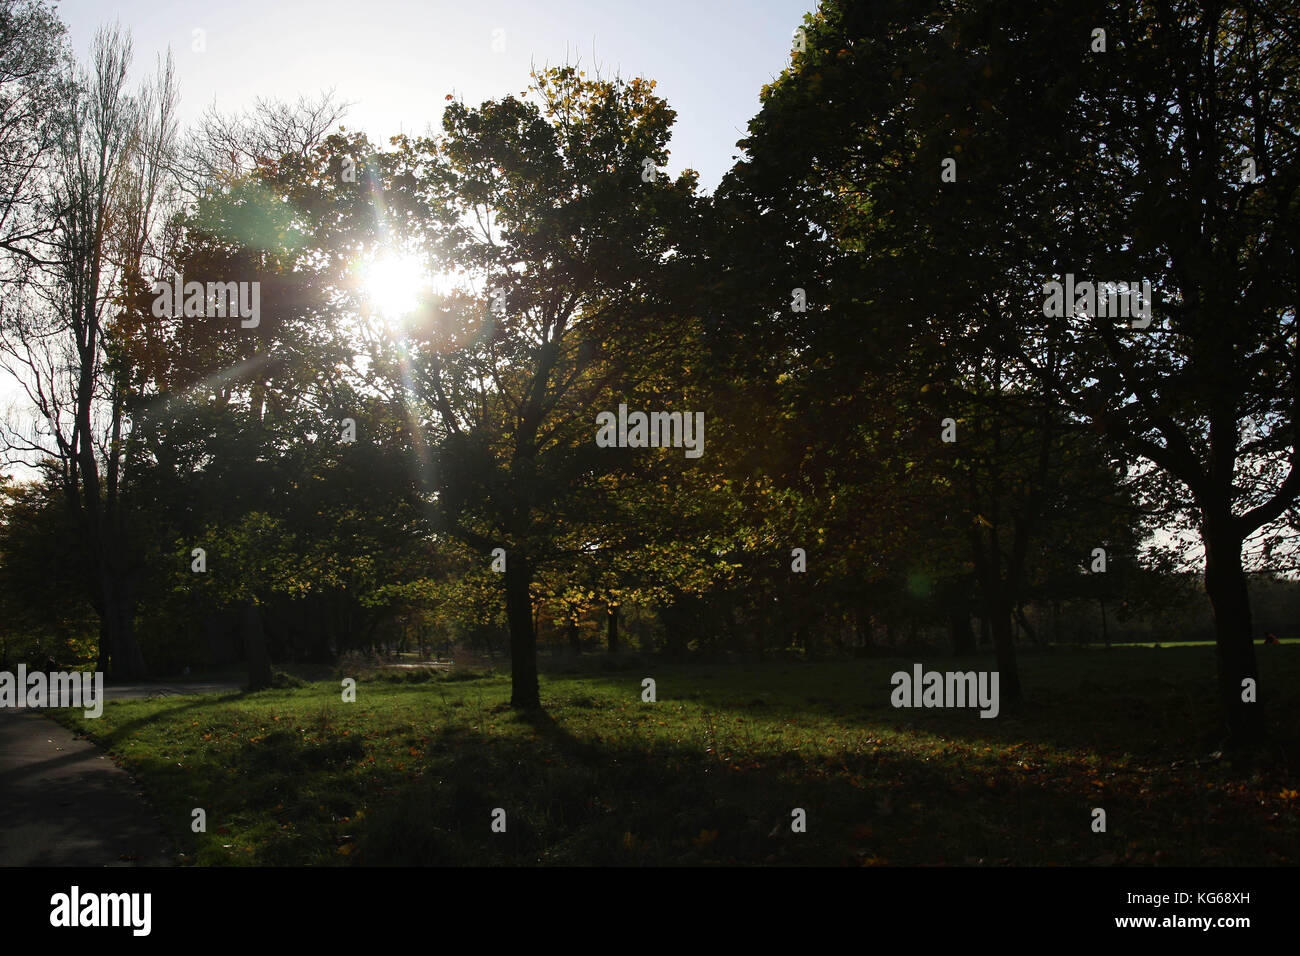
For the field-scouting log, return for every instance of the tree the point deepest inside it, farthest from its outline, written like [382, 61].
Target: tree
[31, 54]
[263, 443]
[1123, 164]
[103, 193]
[41, 574]
[223, 147]
[558, 210]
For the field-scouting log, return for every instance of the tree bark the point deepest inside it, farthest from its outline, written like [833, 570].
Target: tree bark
[1025, 626]
[1225, 583]
[1004, 651]
[524, 694]
[127, 660]
[997, 613]
[104, 662]
[960, 630]
[259, 662]
[611, 630]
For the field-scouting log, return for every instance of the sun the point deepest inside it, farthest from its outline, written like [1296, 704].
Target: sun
[394, 285]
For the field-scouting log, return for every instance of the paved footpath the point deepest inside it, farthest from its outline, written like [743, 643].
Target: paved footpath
[173, 689]
[64, 802]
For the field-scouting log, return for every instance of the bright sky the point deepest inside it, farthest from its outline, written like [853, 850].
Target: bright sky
[398, 59]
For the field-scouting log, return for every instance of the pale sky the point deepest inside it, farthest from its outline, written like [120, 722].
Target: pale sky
[398, 59]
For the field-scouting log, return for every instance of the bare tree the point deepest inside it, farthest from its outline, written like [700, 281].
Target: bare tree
[106, 192]
[31, 50]
[226, 146]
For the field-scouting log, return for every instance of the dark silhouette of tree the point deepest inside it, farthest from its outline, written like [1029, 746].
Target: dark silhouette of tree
[1165, 150]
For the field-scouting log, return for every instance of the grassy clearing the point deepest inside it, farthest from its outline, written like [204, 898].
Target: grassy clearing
[411, 772]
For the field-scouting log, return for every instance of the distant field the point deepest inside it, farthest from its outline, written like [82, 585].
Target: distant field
[710, 773]
[1281, 640]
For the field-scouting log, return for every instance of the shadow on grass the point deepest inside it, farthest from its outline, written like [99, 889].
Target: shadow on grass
[568, 802]
[945, 791]
[1155, 705]
[110, 739]
[714, 771]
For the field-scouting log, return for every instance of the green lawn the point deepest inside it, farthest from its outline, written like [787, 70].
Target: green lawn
[411, 772]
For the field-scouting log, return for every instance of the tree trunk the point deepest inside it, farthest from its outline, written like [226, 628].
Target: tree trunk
[1225, 583]
[259, 662]
[611, 629]
[997, 606]
[117, 629]
[524, 694]
[1026, 626]
[676, 639]
[575, 642]
[104, 663]
[128, 660]
[1004, 650]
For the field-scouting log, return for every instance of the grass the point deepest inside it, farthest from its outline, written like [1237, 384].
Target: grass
[710, 773]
